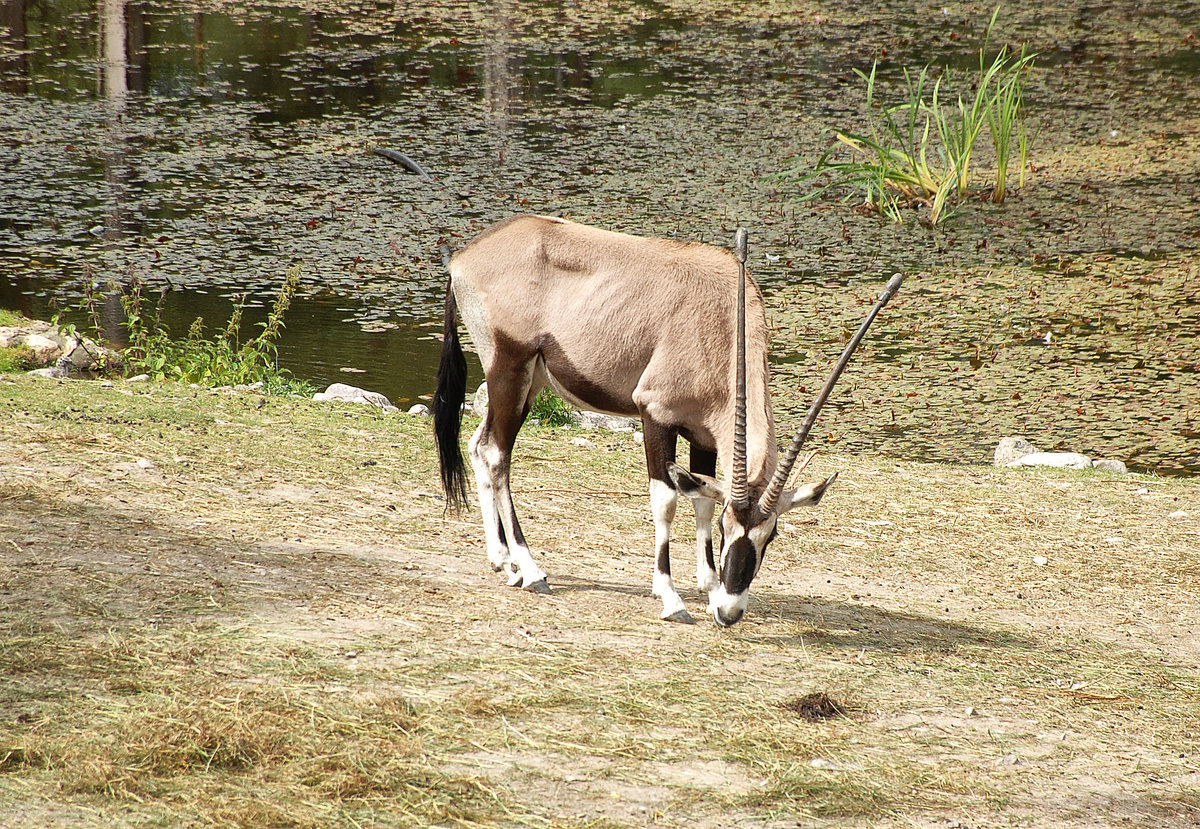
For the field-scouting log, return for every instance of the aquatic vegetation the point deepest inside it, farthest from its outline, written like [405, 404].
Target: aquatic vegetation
[920, 151]
[221, 360]
[1005, 114]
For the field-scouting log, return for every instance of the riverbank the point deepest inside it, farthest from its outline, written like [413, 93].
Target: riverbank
[228, 608]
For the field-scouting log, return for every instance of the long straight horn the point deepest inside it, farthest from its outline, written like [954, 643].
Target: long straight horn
[771, 497]
[739, 489]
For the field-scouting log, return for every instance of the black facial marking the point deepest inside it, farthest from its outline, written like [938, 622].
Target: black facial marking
[739, 567]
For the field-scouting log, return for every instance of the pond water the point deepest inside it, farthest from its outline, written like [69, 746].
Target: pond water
[205, 148]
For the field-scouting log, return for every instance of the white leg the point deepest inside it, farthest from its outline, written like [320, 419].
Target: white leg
[706, 576]
[507, 550]
[662, 504]
[497, 550]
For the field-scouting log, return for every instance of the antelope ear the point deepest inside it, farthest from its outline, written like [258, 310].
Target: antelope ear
[695, 485]
[808, 495]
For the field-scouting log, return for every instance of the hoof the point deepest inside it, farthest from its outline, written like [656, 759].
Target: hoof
[539, 586]
[681, 616]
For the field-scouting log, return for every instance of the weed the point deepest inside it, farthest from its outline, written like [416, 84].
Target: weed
[550, 409]
[221, 360]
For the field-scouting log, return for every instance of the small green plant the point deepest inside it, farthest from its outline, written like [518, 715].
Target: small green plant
[222, 360]
[19, 358]
[11, 318]
[920, 151]
[550, 409]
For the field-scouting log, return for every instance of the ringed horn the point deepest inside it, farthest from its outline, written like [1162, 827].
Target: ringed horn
[739, 490]
[771, 497]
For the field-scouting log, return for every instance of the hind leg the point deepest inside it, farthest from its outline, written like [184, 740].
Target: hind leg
[491, 456]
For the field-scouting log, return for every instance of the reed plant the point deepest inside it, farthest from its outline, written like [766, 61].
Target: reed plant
[920, 151]
[1005, 115]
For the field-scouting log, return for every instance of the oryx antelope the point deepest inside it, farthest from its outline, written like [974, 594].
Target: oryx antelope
[630, 326]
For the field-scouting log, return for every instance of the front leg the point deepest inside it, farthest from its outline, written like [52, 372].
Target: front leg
[660, 451]
[706, 570]
[704, 461]
[662, 504]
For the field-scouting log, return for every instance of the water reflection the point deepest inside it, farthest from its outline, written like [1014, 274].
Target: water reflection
[14, 58]
[209, 150]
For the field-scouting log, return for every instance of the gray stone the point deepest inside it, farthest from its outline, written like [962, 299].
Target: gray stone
[352, 394]
[1111, 466]
[1062, 460]
[603, 422]
[45, 350]
[57, 372]
[88, 355]
[1011, 448]
[53, 346]
[420, 409]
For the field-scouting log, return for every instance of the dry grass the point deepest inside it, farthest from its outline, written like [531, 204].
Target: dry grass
[274, 624]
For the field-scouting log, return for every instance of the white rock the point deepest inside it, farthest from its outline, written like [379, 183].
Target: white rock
[1062, 460]
[45, 350]
[1111, 466]
[137, 378]
[1041, 561]
[480, 404]
[584, 442]
[1011, 448]
[145, 464]
[353, 394]
[420, 409]
[1178, 514]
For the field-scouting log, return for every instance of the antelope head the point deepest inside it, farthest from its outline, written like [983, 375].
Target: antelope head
[749, 520]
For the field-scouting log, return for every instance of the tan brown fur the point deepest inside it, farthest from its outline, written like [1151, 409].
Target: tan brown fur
[622, 324]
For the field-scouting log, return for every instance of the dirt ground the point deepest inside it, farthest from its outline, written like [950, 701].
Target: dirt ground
[1004, 648]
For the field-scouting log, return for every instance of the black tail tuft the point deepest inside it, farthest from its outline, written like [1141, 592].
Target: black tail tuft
[447, 409]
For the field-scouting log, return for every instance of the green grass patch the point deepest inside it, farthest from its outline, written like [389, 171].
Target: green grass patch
[10, 318]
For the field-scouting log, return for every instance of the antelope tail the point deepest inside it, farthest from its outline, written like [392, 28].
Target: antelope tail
[447, 409]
